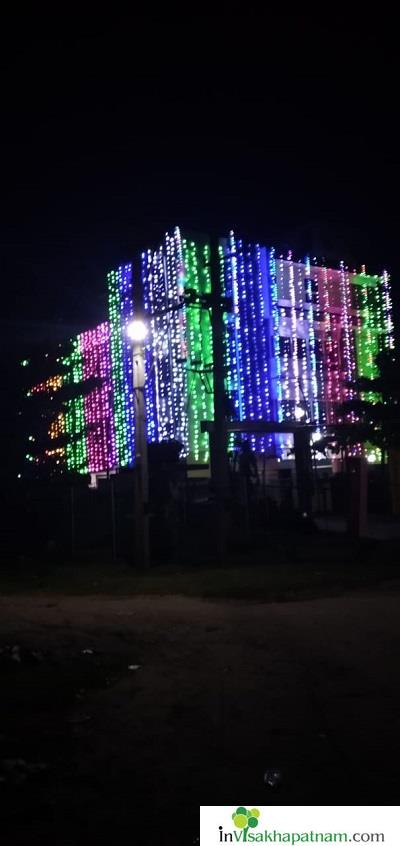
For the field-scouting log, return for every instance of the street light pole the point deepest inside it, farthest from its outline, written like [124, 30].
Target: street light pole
[137, 332]
[218, 441]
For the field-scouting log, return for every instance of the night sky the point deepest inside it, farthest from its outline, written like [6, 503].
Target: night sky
[115, 128]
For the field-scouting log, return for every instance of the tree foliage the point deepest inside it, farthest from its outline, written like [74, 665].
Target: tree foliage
[376, 421]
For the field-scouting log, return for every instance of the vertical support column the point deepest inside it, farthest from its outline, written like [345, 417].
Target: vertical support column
[219, 463]
[304, 476]
[141, 527]
[357, 496]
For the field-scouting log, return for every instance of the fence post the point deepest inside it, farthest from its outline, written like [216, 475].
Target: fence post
[113, 520]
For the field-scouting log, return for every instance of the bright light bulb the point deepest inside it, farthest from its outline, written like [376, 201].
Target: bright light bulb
[137, 330]
[299, 412]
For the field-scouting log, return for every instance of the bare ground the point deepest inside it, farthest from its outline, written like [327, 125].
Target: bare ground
[225, 691]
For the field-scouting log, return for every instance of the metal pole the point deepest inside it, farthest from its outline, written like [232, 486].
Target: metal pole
[219, 457]
[141, 528]
[113, 520]
[304, 477]
[73, 532]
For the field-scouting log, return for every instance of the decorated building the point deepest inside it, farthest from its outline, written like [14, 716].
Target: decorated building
[296, 335]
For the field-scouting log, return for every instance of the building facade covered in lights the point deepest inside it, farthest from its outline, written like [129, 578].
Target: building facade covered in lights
[296, 335]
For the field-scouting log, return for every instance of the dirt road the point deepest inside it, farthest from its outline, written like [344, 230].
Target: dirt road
[220, 692]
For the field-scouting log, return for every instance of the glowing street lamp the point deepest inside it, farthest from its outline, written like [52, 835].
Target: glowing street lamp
[137, 332]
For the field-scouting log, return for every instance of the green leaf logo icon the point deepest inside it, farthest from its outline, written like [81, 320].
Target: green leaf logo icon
[244, 818]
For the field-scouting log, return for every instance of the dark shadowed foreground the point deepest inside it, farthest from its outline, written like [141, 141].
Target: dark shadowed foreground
[125, 714]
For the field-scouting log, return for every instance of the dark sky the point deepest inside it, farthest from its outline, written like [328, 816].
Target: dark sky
[280, 126]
